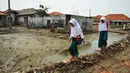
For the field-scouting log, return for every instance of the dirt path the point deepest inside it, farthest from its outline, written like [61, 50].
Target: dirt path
[116, 64]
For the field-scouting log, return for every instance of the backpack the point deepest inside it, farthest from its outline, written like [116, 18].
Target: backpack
[79, 40]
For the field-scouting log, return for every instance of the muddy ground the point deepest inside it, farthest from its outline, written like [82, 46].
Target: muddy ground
[29, 47]
[21, 48]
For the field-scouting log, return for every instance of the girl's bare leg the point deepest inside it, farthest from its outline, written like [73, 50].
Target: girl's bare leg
[71, 58]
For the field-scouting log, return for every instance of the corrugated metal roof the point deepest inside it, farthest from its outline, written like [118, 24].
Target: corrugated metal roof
[12, 11]
[29, 11]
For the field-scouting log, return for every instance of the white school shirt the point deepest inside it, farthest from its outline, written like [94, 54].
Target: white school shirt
[103, 26]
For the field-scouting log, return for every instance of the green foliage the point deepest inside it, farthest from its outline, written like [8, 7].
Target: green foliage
[42, 11]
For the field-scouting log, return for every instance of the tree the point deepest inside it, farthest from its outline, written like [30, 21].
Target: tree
[42, 11]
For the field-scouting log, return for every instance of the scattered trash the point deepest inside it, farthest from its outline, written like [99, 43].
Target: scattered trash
[126, 63]
[61, 37]
[106, 72]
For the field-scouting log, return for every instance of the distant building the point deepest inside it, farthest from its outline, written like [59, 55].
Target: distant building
[21, 16]
[86, 23]
[26, 16]
[61, 20]
[3, 19]
[30, 18]
[13, 14]
[117, 19]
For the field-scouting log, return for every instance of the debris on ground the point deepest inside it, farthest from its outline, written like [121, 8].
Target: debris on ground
[126, 63]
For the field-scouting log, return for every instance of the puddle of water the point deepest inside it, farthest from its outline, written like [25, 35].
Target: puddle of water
[86, 49]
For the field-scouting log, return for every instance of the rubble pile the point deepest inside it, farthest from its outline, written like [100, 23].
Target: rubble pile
[84, 61]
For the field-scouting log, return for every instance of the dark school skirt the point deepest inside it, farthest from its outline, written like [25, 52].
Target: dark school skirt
[73, 48]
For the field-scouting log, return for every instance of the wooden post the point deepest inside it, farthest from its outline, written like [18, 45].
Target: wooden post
[9, 13]
[52, 27]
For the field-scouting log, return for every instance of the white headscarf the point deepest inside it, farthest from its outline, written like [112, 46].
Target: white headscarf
[103, 18]
[76, 30]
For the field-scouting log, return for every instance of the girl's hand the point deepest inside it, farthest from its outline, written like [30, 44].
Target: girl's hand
[83, 41]
[69, 40]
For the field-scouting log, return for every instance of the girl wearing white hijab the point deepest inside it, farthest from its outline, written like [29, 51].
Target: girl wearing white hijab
[103, 36]
[76, 38]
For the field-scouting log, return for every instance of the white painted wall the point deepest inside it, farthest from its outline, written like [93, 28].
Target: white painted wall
[61, 17]
[45, 20]
[80, 19]
[88, 23]
[42, 21]
[21, 19]
[38, 21]
[13, 16]
[35, 21]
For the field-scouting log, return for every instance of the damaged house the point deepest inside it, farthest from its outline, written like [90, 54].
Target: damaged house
[30, 18]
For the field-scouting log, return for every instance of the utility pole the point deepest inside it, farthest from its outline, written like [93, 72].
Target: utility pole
[90, 13]
[9, 14]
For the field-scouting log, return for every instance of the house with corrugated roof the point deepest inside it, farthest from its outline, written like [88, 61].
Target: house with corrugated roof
[13, 14]
[25, 16]
[22, 16]
[30, 18]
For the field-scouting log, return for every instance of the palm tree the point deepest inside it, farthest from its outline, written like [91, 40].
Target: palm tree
[42, 11]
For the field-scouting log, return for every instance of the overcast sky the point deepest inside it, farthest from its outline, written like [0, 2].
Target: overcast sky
[80, 7]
